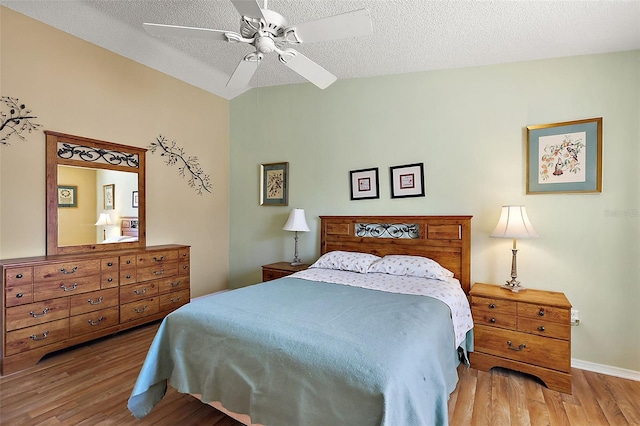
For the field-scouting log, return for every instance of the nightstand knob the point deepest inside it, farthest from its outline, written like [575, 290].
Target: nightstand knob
[541, 313]
[541, 328]
[492, 320]
[492, 306]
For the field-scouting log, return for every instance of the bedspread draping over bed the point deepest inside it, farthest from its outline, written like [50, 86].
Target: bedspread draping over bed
[296, 352]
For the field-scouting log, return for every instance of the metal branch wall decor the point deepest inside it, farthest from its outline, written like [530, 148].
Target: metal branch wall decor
[16, 120]
[186, 164]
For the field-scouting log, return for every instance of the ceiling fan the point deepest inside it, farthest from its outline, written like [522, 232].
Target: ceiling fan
[267, 31]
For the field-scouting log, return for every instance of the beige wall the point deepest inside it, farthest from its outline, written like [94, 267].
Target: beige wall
[78, 222]
[77, 88]
[468, 127]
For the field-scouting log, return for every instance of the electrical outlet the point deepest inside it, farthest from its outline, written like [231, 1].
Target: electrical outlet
[575, 317]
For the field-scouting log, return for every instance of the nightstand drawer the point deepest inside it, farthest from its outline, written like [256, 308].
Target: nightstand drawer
[523, 347]
[548, 313]
[544, 328]
[270, 274]
[493, 306]
[494, 319]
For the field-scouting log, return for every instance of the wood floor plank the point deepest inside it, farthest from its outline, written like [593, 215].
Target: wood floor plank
[91, 383]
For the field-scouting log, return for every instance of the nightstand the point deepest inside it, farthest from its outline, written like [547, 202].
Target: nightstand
[279, 270]
[528, 332]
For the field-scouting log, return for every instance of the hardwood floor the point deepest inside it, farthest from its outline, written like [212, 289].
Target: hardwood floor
[90, 385]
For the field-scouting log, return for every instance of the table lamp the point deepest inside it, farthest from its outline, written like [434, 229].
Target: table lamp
[295, 223]
[103, 220]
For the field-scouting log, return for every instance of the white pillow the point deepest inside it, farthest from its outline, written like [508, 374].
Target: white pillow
[415, 266]
[346, 261]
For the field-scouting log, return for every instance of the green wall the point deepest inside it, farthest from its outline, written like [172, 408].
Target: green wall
[468, 127]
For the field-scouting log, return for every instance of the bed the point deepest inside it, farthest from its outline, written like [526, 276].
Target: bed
[339, 343]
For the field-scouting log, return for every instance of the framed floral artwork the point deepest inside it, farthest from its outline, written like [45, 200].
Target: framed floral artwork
[67, 196]
[565, 157]
[407, 180]
[108, 196]
[364, 184]
[274, 184]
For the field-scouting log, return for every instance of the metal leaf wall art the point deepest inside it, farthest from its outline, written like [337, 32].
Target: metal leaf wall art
[15, 120]
[187, 165]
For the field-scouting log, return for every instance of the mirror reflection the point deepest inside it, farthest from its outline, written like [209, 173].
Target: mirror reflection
[96, 206]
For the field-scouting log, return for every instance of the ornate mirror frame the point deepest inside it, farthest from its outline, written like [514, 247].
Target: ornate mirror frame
[69, 150]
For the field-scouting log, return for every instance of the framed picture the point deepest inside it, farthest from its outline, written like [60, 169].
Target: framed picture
[108, 196]
[364, 184]
[565, 157]
[67, 196]
[407, 181]
[134, 199]
[274, 184]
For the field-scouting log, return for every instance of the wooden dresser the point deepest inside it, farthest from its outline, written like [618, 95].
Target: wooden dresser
[528, 331]
[276, 270]
[53, 302]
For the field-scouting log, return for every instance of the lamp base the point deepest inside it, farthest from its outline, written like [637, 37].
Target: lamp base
[294, 263]
[514, 286]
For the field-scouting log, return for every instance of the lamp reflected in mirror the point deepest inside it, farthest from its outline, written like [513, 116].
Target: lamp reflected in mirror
[104, 220]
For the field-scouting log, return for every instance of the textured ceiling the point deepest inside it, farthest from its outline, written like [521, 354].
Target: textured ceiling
[409, 35]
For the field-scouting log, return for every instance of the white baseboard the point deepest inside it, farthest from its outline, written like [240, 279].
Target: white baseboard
[606, 369]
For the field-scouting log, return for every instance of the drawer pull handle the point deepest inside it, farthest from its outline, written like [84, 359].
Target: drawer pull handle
[92, 322]
[175, 283]
[143, 291]
[158, 259]
[176, 300]
[129, 262]
[110, 264]
[184, 254]
[185, 267]
[44, 312]
[95, 302]
[160, 272]
[19, 295]
[36, 338]
[492, 306]
[65, 288]
[109, 279]
[144, 308]
[541, 328]
[519, 348]
[128, 276]
[492, 320]
[73, 270]
[19, 276]
[541, 312]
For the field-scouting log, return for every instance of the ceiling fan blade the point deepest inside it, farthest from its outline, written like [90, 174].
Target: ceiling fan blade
[307, 68]
[244, 71]
[179, 31]
[249, 8]
[350, 24]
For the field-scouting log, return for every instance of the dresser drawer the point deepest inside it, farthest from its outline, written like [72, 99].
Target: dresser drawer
[127, 276]
[109, 264]
[543, 327]
[66, 270]
[18, 295]
[36, 313]
[127, 261]
[18, 276]
[139, 309]
[94, 321]
[159, 270]
[133, 292]
[88, 302]
[184, 267]
[109, 280]
[174, 300]
[497, 306]
[37, 336]
[156, 257]
[64, 288]
[548, 313]
[173, 284]
[494, 319]
[523, 347]
[184, 254]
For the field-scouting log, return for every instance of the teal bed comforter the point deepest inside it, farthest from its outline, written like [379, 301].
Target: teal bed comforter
[299, 352]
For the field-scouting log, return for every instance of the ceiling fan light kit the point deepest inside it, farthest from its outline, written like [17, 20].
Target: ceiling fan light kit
[267, 31]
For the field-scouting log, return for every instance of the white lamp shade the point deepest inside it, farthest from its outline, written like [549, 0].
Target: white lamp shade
[296, 221]
[514, 223]
[104, 219]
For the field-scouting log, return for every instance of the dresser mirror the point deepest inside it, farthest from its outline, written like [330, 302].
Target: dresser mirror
[95, 195]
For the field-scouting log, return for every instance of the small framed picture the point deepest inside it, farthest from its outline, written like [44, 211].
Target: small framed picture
[67, 196]
[274, 184]
[565, 157]
[407, 180]
[108, 196]
[364, 184]
[134, 199]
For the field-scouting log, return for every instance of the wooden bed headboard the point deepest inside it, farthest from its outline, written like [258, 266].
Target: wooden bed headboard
[445, 239]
